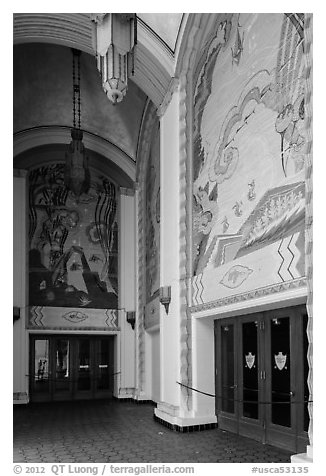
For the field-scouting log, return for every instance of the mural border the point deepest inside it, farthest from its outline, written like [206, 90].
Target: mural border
[150, 119]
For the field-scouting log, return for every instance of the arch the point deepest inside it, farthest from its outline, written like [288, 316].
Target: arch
[155, 63]
[53, 140]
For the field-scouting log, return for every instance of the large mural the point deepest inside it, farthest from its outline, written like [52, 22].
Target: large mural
[73, 244]
[152, 220]
[249, 156]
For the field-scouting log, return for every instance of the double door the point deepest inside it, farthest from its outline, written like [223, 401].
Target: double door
[66, 367]
[261, 377]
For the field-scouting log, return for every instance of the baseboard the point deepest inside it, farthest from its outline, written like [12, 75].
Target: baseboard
[185, 429]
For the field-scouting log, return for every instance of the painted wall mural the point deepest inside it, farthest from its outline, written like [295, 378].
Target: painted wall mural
[249, 156]
[73, 257]
[152, 220]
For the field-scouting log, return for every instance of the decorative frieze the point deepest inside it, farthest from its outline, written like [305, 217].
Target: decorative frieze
[250, 295]
[65, 318]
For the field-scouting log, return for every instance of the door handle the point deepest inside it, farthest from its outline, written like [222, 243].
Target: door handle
[292, 394]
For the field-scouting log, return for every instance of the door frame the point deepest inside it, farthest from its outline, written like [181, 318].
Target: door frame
[294, 438]
[72, 393]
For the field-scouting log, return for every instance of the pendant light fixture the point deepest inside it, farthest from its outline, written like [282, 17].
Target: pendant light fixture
[115, 38]
[77, 176]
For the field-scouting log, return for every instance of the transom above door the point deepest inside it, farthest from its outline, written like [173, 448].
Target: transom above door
[261, 376]
[66, 367]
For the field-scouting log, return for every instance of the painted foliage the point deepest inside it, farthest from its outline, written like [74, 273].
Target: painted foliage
[249, 156]
[73, 257]
[152, 220]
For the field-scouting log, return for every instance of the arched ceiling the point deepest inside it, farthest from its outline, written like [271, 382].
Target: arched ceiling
[155, 62]
[43, 96]
[43, 77]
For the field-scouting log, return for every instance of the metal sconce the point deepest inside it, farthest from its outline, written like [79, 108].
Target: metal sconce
[131, 318]
[16, 313]
[165, 297]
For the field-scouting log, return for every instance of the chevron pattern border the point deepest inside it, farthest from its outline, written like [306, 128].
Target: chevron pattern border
[257, 293]
[65, 318]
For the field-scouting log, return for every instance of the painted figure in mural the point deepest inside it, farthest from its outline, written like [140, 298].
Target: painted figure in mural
[287, 124]
[257, 143]
[225, 224]
[238, 47]
[238, 208]
[66, 284]
[251, 192]
[73, 243]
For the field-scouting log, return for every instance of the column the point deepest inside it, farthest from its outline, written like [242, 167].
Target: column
[127, 301]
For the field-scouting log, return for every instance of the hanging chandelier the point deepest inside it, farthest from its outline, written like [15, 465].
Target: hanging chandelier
[115, 38]
[77, 176]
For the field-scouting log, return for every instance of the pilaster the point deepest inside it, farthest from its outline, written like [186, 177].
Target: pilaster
[127, 287]
[307, 457]
[20, 289]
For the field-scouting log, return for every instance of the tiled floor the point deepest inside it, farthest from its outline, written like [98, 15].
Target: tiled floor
[112, 431]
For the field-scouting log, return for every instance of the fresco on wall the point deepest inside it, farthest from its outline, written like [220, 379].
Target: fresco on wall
[73, 257]
[152, 220]
[249, 156]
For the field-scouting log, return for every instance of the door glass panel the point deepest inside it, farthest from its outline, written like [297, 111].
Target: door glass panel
[250, 369]
[281, 378]
[41, 365]
[104, 370]
[83, 380]
[62, 356]
[305, 373]
[227, 347]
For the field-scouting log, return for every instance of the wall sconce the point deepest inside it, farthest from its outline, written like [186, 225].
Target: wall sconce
[165, 297]
[131, 318]
[16, 313]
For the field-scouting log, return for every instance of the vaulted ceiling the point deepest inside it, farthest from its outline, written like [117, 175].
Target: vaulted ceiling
[43, 76]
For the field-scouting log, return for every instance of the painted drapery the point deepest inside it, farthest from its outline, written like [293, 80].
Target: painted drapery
[73, 244]
[249, 156]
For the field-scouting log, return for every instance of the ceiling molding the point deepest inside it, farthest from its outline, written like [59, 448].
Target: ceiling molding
[36, 137]
[69, 29]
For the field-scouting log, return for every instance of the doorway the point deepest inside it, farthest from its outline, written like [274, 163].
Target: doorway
[261, 377]
[65, 367]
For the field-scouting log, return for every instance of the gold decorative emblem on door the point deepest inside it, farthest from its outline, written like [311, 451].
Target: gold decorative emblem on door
[280, 361]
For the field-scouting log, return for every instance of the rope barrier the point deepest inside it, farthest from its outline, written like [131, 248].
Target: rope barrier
[242, 400]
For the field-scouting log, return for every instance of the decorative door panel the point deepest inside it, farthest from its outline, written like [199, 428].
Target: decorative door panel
[261, 377]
